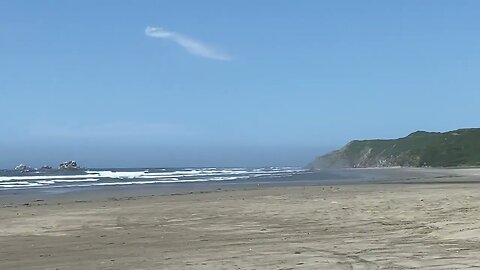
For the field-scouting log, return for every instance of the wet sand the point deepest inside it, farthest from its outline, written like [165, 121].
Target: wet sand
[430, 225]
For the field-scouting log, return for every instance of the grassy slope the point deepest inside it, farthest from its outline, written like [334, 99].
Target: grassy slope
[461, 147]
[454, 148]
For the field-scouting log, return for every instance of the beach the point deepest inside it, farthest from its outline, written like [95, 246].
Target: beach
[427, 223]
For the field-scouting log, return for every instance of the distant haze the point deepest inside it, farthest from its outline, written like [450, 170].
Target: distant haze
[161, 156]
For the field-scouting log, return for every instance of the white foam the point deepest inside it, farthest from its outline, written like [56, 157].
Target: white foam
[158, 175]
[21, 185]
[112, 174]
[172, 180]
[46, 182]
[15, 183]
[127, 183]
[50, 182]
[75, 180]
[46, 177]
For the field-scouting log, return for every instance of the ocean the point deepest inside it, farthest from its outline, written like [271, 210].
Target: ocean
[91, 178]
[122, 177]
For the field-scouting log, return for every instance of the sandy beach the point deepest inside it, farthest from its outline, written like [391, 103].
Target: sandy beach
[370, 226]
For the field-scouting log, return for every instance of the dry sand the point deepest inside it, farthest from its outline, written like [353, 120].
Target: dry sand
[372, 226]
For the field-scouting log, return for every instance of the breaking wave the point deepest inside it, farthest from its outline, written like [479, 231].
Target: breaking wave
[114, 177]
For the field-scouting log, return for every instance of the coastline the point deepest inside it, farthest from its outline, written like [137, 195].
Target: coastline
[386, 223]
[349, 176]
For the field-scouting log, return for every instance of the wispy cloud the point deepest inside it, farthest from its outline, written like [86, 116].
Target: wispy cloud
[192, 46]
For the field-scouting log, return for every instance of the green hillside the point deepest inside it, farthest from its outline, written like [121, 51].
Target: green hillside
[434, 149]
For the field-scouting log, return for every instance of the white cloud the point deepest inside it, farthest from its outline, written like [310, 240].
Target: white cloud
[192, 46]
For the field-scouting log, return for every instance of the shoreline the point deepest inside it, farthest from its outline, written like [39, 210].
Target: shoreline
[355, 176]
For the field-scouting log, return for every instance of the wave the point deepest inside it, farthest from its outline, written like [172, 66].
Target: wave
[141, 177]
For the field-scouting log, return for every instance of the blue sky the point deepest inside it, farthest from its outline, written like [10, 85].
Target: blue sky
[229, 83]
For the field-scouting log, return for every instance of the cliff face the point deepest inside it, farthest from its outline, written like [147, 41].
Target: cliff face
[454, 148]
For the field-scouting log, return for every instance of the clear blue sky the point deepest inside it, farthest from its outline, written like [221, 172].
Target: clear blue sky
[229, 82]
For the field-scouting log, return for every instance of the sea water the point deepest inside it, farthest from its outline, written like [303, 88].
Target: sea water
[123, 177]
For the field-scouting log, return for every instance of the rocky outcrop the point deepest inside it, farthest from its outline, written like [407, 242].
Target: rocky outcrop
[69, 165]
[24, 168]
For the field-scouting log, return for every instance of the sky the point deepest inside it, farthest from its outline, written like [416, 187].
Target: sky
[229, 83]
